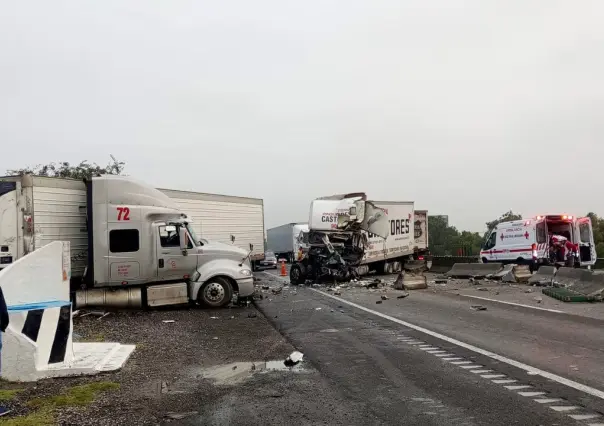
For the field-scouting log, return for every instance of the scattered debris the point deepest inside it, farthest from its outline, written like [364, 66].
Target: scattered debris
[318, 309]
[265, 287]
[337, 293]
[168, 321]
[214, 318]
[75, 314]
[214, 338]
[277, 290]
[329, 289]
[164, 387]
[377, 302]
[441, 280]
[252, 315]
[496, 293]
[106, 313]
[482, 289]
[471, 280]
[180, 416]
[538, 299]
[384, 297]
[402, 296]
[478, 307]
[373, 284]
[528, 290]
[294, 358]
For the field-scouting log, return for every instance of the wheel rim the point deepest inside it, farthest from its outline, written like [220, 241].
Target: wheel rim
[214, 292]
[295, 274]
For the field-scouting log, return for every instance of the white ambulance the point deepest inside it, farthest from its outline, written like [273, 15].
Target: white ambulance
[527, 241]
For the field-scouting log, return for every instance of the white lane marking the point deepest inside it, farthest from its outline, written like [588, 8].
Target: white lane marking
[452, 359]
[504, 382]
[518, 387]
[468, 367]
[563, 408]
[530, 394]
[426, 346]
[461, 362]
[414, 343]
[492, 376]
[583, 416]
[436, 352]
[547, 400]
[551, 376]
[443, 355]
[514, 304]
[482, 371]
[429, 348]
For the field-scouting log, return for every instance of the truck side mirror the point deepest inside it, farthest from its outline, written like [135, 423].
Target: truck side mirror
[251, 247]
[232, 239]
[182, 235]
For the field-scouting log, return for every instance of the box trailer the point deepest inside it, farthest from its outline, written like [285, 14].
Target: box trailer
[283, 240]
[36, 210]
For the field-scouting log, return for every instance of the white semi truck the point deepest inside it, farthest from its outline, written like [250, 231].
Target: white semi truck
[283, 240]
[132, 245]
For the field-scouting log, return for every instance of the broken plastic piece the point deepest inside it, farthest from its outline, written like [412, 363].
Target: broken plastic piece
[294, 358]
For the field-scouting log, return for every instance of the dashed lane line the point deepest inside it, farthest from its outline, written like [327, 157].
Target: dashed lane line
[530, 369]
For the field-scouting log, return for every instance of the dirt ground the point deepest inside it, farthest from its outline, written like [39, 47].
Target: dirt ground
[163, 376]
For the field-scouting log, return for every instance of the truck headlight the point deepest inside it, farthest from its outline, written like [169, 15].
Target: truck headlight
[245, 272]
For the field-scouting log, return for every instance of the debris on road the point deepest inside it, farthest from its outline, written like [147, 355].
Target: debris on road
[528, 290]
[482, 289]
[168, 321]
[277, 290]
[265, 287]
[538, 299]
[478, 307]
[372, 284]
[337, 293]
[294, 358]
[402, 296]
[180, 416]
[441, 280]
[384, 297]
[252, 315]
[377, 302]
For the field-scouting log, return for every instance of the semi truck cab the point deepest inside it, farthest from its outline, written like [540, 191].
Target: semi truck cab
[142, 251]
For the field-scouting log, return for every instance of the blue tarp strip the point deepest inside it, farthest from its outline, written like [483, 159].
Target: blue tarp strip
[38, 305]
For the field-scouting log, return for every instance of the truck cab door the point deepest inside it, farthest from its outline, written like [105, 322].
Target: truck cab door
[374, 219]
[174, 263]
[587, 247]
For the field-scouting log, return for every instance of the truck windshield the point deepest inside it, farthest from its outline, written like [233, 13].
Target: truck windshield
[193, 235]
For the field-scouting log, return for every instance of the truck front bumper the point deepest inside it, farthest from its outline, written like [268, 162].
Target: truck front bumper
[246, 287]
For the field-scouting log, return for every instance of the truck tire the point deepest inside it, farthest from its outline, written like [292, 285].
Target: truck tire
[297, 274]
[215, 293]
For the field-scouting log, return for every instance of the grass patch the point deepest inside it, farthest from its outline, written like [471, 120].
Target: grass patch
[8, 394]
[99, 337]
[75, 396]
[38, 418]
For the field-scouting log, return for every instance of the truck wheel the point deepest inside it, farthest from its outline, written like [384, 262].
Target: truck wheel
[297, 274]
[215, 293]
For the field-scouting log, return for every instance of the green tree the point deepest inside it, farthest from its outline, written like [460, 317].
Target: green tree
[597, 224]
[84, 170]
[506, 217]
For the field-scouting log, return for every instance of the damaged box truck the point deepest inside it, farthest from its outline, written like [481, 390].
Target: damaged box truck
[406, 240]
[134, 245]
[335, 243]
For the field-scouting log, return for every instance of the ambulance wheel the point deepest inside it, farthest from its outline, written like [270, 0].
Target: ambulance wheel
[215, 293]
[297, 274]
[485, 260]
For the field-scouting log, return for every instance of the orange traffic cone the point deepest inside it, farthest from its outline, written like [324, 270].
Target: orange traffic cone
[283, 270]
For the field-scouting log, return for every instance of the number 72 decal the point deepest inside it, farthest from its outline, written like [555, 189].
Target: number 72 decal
[123, 213]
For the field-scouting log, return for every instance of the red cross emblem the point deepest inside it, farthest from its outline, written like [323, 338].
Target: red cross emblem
[526, 235]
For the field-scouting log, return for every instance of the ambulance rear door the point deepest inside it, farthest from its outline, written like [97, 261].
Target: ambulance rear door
[587, 247]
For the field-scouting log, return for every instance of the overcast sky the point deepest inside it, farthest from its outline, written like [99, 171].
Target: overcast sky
[468, 108]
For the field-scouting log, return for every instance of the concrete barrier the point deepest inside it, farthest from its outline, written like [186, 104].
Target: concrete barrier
[506, 274]
[543, 276]
[38, 342]
[582, 281]
[466, 270]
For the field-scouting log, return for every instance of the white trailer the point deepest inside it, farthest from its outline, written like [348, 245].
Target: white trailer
[283, 240]
[35, 211]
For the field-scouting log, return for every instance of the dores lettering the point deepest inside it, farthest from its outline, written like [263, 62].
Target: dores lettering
[397, 227]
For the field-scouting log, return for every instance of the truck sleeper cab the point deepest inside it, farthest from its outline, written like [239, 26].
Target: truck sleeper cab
[528, 241]
[143, 251]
